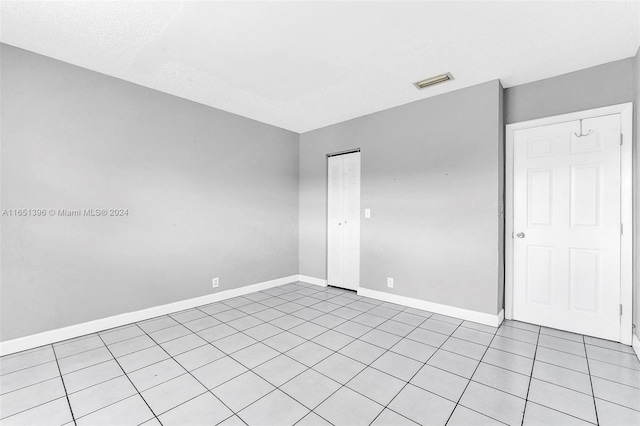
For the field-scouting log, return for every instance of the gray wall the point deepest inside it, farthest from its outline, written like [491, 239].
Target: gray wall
[209, 194]
[602, 85]
[432, 178]
[213, 194]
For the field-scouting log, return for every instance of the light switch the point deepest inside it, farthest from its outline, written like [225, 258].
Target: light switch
[367, 213]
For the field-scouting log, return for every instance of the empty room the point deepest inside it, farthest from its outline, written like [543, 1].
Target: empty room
[277, 213]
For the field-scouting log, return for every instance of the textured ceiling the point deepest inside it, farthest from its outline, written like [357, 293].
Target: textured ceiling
[304, 65]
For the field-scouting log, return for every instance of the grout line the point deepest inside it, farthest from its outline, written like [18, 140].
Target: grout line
[370, 365]
[132, 371]
[571, 340]
[617, 383]
[311, 367]
[66, 394]
[632, 353]
[42, 403]
[285, 313]
[98, 334]
[132, 384]
[195, 378]
[114, 329]
[131, 353]
[26, 351]
[512, 324]
[417, 371]
[414, 327]
[35, 406]
[593, 394]
[329, 296]
[114, 358]
[563, 413]
[31, 384]
[248, 369]
[113, 403]
[615, 365]
[619, 405]
[546, 347]
[533, 365]
[106, 361]
[386, 350]
[470, 379]
[124, 326]
[26, 368]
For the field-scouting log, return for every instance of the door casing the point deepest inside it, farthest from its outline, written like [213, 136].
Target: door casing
[626, 206]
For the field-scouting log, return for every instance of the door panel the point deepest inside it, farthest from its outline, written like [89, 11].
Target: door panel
[539, 266]
[584, 279]
[539, 197]
[343, 222]
[567, 226]
[351, 276]
[334, 223]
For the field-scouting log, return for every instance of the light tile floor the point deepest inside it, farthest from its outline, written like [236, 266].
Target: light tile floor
[307, 355]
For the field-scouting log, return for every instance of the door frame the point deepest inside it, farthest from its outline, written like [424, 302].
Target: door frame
[626, 205]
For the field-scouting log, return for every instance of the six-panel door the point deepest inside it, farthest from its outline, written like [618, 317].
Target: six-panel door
[567, 226]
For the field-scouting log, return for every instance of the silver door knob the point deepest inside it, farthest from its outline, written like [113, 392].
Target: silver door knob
[520, 235]
[339, 223]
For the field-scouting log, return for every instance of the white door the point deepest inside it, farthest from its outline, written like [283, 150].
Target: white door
[567, 226]
[343, 268]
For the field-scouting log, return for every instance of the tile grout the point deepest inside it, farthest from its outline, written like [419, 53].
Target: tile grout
[66, 394]
[533, 366]
[132, 384]
[293, 289]
[471, 379]
[323, 313]
[408, 381]
[195, 378]
[311, 367]
[593, 394]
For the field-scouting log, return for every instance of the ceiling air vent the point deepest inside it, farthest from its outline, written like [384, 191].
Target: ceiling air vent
[433, 80]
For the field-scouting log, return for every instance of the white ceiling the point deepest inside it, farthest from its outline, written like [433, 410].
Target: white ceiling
[304, 65]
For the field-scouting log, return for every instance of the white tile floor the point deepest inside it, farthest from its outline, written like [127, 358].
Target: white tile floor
[307, 355]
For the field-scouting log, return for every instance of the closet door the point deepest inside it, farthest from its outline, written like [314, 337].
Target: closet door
[343, 223]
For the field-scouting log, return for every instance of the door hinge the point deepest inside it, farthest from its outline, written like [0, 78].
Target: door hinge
[512, 235]
[621, 229]
[621, 309]
[621, 138]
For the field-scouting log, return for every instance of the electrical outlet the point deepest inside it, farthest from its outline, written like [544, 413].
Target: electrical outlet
[216, 282]
[390, 282]
[367, 213]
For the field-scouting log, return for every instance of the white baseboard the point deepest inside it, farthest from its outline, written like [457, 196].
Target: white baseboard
[636, 346]
[311, 280]
[57, 335]
[500, 317]
[452, 311]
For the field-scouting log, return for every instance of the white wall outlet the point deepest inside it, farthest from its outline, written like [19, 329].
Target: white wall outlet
[367, 213]
[215, 282]
[390, 282]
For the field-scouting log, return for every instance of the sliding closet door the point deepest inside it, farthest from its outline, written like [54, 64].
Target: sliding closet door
[343, 225]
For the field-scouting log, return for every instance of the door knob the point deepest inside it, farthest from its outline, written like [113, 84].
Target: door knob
[520, 235]
[339, 223]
